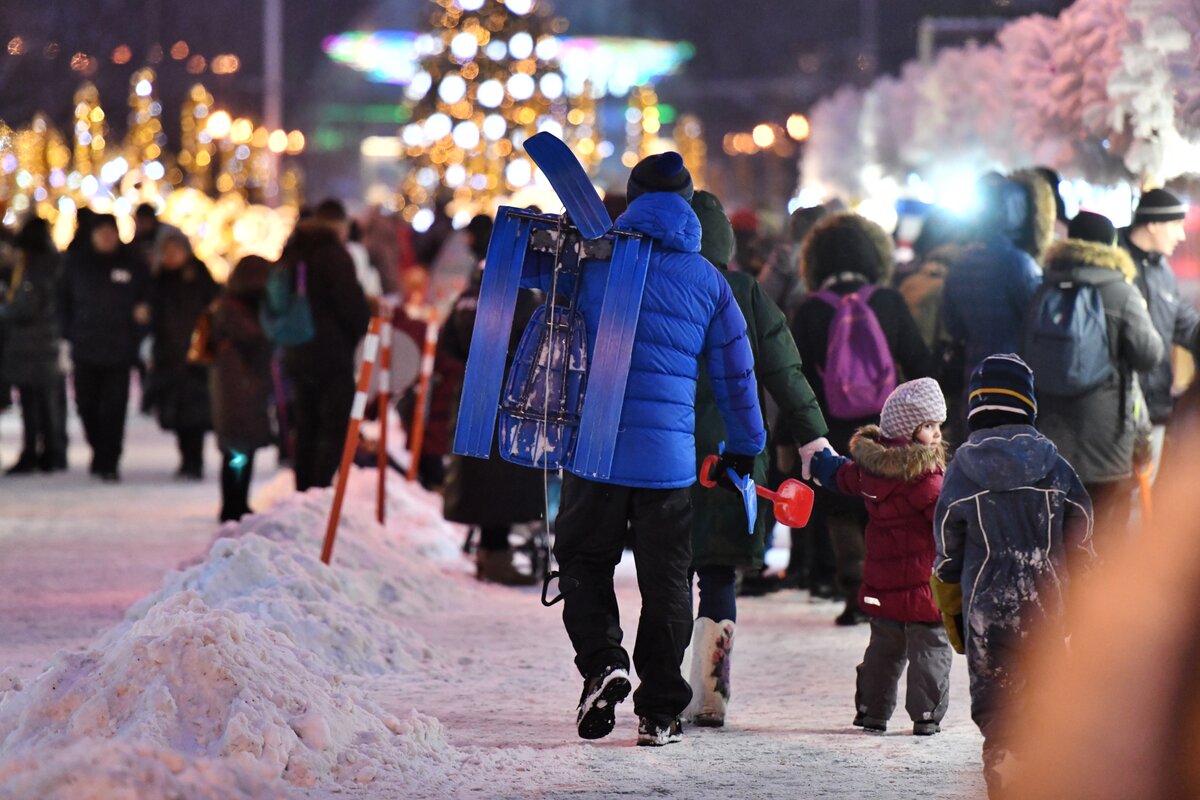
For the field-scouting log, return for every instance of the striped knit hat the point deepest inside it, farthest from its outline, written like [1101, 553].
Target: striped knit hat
[1159, 205]
[1001, 393]
[911, 405]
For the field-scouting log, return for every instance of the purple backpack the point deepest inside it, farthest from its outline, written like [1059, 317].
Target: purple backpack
[859, 370]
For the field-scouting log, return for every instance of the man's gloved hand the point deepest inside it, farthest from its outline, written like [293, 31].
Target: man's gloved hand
[948, 597]
[825, 465]
[809, 450]
[742, 465]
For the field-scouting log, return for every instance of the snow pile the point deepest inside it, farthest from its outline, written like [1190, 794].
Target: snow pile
[229, 680]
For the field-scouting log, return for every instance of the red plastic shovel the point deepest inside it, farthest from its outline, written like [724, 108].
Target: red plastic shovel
[793, 500]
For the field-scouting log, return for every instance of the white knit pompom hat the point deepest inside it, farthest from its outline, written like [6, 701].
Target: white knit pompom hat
[909, 406]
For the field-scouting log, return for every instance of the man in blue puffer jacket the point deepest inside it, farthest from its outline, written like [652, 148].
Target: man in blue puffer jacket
[687, 313]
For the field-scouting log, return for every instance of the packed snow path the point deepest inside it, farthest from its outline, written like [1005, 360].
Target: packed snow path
[421, 682]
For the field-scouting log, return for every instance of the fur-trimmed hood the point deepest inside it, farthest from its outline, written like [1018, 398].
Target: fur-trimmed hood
[901, 462]
[1068, 254]
[846, 242]
[1043, 213]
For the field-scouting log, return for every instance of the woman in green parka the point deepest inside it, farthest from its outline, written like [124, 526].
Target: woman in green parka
[720, 544]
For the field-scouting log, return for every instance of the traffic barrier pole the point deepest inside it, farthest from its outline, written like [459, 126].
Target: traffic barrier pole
[370, 352]
[385, 401]
[420, 406]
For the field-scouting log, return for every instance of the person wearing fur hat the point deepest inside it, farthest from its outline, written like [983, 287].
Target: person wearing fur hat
[1011, 526]
[845, 253]
[897, 466]
[1096, 431]
[1156, 231]
[720, 545]
[989, 286]
[688, 316]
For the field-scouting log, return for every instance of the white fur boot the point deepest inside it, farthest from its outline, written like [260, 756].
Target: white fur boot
[712, 644]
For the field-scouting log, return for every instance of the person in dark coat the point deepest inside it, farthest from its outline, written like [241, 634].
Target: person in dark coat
[897, 468]
[30, 353]
[105, 308]
[843, 253]
[1095, 432]
[491, 494]
[239, 381]
[720, 545]
[182, 289]
[321, 371]
[1011, 527]
[1156, 231]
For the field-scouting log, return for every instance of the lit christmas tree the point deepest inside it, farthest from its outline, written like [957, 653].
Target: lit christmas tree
[145, 140]
[90, 130]
[489, 79]
[196, 148]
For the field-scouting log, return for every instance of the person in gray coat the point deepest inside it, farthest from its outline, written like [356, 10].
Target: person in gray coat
[1095, 431]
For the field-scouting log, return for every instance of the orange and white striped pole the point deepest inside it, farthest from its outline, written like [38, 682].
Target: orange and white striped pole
[385, 401]
[370, 353]
[420, 406]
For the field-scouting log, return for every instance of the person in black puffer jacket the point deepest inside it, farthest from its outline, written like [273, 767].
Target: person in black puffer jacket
[321, 371]
[105, 308]
[30, 357]
[182, 289]
[844, 253]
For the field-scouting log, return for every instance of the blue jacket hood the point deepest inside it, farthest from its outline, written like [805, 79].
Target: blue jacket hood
[1006, 457]
[665, 217]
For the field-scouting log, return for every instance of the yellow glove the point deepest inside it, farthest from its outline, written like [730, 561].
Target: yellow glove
[948, 597]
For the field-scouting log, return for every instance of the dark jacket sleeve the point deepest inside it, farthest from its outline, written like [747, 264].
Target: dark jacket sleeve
[779, 369]
[1077, 517]
[349, 303]
[910, 351]
[1187, 324]
[949, 532]
[1140, 345]
[731, 372]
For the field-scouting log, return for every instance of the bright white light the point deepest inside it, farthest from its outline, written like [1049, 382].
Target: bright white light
[154, 171]
[605, 149]
[460, 219]
[520, 86]
[490, 94]
[89, 185]
[496, 50]
[143, 88]
[422, 220]
[39, 194]
[412, 135]
[57, 178]
[466, 135]
[548, 48]
[478, 182]
[470, 5]
[456, 175]
[958, 194]
[551, 125]
[66, 206]
[452, 88]
[494, 127]
[464, 46]
[436, 127]
[8, 163]
[518, 173]
[520, 45]
[881, 212]
[427, 176]
[113, 170]
[551, 85]
[519, 7]
[419, 86]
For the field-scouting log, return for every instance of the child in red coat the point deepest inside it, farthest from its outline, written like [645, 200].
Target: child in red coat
[897, 468]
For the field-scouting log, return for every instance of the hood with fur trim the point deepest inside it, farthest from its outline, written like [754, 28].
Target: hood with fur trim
[1067, 254]
[899, 462]
[1038, 230]
[846, 242]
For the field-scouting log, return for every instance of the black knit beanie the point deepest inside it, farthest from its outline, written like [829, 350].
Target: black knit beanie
[1092, 227]
[1158, 205]
[664, 172]
[1001, 393]
[716, 233]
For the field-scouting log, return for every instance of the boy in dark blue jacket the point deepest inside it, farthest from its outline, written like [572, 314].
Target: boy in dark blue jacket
[1011, 523]
[687, 313]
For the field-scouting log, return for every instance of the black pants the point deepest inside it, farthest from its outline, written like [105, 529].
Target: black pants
[494, 537]
[594, 522]
[44, 420]
[102, 396]
[236, 471]
[322, 414]
[191, 449]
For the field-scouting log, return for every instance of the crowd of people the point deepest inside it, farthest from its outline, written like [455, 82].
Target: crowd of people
[997, 398]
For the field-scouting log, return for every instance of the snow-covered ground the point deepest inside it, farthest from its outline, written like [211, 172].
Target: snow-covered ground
[254, 671]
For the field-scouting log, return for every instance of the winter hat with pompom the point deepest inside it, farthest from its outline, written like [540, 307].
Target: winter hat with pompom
[911, 405]
[664, 172]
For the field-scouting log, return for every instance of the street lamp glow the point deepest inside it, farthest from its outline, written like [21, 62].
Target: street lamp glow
[277, 142]
[218, 125]
[763, 136]
[295, 143]
[798, 127]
